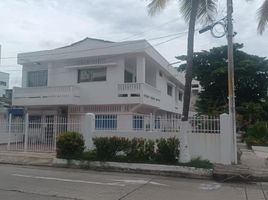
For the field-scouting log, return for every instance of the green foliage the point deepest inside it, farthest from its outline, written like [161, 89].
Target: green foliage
[167, 150]
[90, 155]
[137, 150]
[198, 163]
[140, 150]
[70, 145]
[257, 134]
[210, 69]
[108, 147]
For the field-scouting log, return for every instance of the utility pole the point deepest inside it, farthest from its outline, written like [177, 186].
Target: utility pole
[231, 90]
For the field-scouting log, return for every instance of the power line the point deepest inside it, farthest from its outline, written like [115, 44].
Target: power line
[141, 33]
[91, 49]
[134, 35]
[149, 46]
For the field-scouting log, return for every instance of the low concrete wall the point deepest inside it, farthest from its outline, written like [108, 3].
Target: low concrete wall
[167, 170]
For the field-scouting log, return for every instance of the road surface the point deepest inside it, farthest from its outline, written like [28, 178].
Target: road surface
[44, 183]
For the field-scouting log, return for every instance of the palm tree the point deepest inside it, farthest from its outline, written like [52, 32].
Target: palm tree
[191, 10]
[263, 17]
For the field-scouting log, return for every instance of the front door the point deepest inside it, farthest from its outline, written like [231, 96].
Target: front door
[49, 129]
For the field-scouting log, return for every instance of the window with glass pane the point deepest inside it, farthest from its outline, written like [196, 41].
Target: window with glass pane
[137, 122]
[3, 83]
[128, 77]
[106, 122]
[180, 96]
[37, 78]
[91, 75]
[169, 90]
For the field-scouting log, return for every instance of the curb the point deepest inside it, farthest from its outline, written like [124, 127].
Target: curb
[153, 169]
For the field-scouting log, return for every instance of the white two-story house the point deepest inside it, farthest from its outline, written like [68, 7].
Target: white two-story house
[101, 77]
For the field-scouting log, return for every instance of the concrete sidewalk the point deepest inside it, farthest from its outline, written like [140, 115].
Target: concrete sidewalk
[27, 158]
[250, 168]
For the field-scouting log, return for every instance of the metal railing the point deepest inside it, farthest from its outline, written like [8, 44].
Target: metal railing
[34, 133]
[145, 123]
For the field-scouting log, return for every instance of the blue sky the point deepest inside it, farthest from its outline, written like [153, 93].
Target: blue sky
[31, 25]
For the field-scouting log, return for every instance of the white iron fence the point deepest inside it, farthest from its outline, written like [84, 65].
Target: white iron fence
[152, 123]
[34, 133]
[208, 137]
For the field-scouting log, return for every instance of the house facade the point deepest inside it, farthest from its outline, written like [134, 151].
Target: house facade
[101, 77]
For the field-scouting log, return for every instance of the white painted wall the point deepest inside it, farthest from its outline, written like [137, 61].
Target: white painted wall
[106, 92]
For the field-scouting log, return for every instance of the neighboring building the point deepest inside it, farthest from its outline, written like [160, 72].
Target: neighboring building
[5, 103]
[4, 83]
[196, 88]
[98, 76]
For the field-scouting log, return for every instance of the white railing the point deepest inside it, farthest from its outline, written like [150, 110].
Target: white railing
[145, 123]
[37, 135]
[150, 94]
[208, 137]
[205, 124]
[129, 87]
[46, 92]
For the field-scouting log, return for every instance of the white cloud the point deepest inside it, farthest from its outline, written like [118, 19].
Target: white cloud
[30, 25]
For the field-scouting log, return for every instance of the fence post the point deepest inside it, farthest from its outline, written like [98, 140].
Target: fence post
[151, 122]
[89, 128]
[26, 124]
[185, 129]
[225, 139]
[9, 131]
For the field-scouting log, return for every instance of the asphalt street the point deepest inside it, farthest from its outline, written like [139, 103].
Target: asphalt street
[44, 183]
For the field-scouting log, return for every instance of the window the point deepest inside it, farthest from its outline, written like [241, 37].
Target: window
[35, 121]
[106, 122]
[169, 89]
[3, 83]
[37, 78]
[180, 96]
[195, 86]
[91, 75]
[128, 77]
[137, 122]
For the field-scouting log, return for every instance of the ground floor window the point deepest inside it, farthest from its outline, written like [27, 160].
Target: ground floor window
[138, 122]
[105, 122]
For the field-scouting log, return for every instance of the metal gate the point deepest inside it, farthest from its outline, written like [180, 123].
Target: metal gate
[34, 133]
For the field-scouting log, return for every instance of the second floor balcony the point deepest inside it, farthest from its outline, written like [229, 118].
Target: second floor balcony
[35, 96]
[146, 93]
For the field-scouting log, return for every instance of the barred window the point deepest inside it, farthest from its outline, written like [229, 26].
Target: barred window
[37, 78]
[106, 122]
[138, 122]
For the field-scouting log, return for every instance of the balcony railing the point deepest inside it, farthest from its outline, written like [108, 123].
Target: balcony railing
[148, 93]
[45, 95]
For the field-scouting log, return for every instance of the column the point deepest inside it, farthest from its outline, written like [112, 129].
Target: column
[140, 64]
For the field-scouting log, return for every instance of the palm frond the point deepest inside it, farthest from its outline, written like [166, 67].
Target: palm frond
[185, 8]
[263, 17]
[156, 5]
[207, 10]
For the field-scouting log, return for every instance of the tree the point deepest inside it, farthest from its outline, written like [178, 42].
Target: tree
[262, 15]
[191, 10]
[251, 81]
